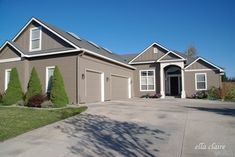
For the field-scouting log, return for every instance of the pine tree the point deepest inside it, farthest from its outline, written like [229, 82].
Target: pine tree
[58, 94]
[14, 91]
[34, 85]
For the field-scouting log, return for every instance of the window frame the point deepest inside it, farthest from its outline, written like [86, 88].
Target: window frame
[154, 82]
[40, 39]
[196, 81]
[6, 83]
[47, 79]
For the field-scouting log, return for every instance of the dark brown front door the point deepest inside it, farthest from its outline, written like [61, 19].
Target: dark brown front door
[174, 86]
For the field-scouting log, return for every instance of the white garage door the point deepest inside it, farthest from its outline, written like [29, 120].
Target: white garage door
[93, 86]
[119, 87]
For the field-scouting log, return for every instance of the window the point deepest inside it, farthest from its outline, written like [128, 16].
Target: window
[147, 80]
[7, 77]
[49, 74]
[35, 39]
[155, 50]
[201, 81]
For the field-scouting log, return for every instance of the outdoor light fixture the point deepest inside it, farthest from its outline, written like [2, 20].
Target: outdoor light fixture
[83, 76]
[107, 79]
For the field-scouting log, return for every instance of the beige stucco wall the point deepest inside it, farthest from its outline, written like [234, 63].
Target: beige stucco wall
[213, 79]
[67, 66]
[139, 67]
[88, 62]
[8, 52]
[149, 54]
[49, 40]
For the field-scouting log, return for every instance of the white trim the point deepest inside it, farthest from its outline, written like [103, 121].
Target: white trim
[40, 39]
[129, 87]
[172, 59]
[50, 53]
[147, 49]
[33, 19]
[101, 83]
[7, 42]
[47, 79]
[10, 60]
[204, 61]
[192, 70]
[5, 82]
[205, 74]
[154, 82]
[144, 62]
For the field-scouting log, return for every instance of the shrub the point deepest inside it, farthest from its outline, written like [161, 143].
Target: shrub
[230, 94]
[14, 91]
[199, 95]
[36, 100]
[214, 93]
[34, 85]
[145, 96]
[58, 94]
[47, 104]
[155, 96]
[20, 103]
[0, 97]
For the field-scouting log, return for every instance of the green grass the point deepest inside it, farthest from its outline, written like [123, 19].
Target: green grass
[18, 120]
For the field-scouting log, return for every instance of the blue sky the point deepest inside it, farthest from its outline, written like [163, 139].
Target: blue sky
[129, 26]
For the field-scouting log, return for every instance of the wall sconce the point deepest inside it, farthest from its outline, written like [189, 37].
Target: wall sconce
[107, 79]
[83, 76]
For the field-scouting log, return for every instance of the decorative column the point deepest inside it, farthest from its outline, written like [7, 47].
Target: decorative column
[162, 80]
[183, 95]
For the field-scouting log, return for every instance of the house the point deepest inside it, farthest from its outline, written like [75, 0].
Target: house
[94, 74]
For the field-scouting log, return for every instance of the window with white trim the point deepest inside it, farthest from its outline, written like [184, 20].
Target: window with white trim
[147, 80]
[35, 39]
[7, 77]
[49, 75]
[201, 81]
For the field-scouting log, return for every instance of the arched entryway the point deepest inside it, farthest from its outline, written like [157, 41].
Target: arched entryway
[173, 85]
[172, 79]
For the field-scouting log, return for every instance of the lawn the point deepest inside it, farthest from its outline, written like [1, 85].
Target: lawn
[18, 120]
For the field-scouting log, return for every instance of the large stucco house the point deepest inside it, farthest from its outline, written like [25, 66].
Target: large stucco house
[94, 74]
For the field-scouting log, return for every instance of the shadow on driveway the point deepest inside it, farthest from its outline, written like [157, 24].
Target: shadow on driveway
[101, 136]
[222, 111]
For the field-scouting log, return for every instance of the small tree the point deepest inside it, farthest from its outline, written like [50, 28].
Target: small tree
[14, 91]
[34, 85]
[58, 94]
[191, 52]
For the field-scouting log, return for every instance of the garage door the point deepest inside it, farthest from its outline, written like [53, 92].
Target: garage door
[93, 86]
[119, 87]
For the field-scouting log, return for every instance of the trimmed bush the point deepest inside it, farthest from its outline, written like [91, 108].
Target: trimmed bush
[199, 95]
[230, 95]
[14, 91]
[58, 95]
[36, 100]
[34, 85]
[213, 93]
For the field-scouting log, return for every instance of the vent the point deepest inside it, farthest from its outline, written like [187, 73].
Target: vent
[74, 35]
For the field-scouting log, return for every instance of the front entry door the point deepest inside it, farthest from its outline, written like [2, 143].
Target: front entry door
[174, 86]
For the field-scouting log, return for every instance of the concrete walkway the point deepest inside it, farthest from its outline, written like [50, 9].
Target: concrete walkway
[137, 127]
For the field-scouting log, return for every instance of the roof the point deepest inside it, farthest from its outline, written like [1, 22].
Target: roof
[129, 57]
[77, 44]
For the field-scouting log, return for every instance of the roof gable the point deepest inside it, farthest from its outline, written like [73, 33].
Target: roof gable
[13, 49]
[171, 56]
[149, 55]
[201, 63]
[37, 22]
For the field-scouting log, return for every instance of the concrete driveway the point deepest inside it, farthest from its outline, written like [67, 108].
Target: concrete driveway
[136, 127]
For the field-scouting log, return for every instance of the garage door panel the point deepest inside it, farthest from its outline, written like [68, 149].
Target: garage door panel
[93, 86]
[119, 87]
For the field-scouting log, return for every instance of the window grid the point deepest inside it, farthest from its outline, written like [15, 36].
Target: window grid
[147, 80]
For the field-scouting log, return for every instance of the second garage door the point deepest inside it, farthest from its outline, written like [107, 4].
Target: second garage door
[93, 86]
[119, 87]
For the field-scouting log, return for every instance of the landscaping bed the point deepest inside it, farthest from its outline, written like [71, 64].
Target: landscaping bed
[17, 120]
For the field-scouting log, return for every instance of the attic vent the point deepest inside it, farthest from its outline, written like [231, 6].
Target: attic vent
[94, 44]
[74, 35]
[107, 50]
